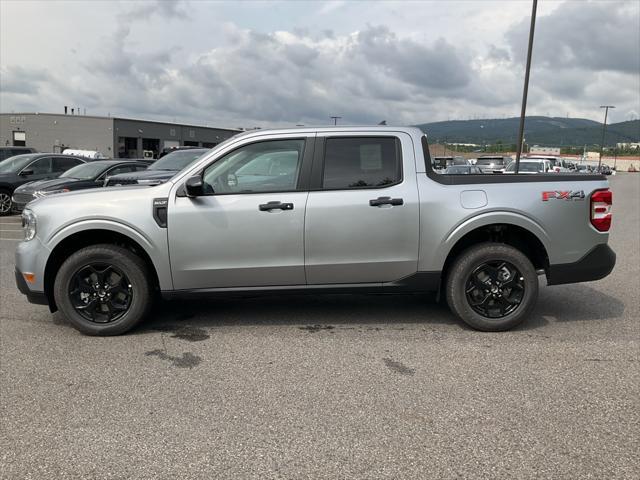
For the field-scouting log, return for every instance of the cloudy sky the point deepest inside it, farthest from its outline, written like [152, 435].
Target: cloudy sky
[295, 62]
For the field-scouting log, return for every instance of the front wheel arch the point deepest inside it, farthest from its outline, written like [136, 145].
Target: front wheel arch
[86, 238]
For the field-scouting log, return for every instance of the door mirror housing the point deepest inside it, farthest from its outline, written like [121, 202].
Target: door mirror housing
[26, 173]
[194, 186]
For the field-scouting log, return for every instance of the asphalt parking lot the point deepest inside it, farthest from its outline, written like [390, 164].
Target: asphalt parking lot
[331, 386]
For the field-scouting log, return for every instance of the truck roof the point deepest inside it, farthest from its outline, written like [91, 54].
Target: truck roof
[337, 128]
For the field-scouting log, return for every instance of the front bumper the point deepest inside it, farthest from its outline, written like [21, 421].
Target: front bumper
[39, 298]
[20, 199]
[596, 264]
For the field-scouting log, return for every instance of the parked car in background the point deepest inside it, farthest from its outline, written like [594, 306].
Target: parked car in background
[80, 177]
[584, 168]
[7, 152]
[21, 169]
[160, 171]
[529, 166]
[462, 170]
[440, 163]
[491, 163]
[558, 164]
[89, 154]
[168, 150]
[605, 170]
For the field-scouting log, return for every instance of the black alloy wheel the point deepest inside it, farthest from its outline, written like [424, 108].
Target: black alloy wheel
[5, 202]
[495, 289]
[491, 286]
[100, 292]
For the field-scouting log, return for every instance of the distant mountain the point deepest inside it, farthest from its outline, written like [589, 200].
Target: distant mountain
[556, 131]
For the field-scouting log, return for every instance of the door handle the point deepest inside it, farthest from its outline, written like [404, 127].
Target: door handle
[265, 207]
[386, 201]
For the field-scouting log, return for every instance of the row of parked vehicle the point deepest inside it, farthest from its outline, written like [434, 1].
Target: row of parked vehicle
[27, 176]
[531, 164]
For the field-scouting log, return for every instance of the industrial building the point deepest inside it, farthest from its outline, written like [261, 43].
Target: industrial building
[114, 137]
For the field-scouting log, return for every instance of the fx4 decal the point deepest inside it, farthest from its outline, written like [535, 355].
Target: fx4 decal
[567, 195]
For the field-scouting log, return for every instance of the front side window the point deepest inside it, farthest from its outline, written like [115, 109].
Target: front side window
[271, 166]
[40, 166]
[364, 162]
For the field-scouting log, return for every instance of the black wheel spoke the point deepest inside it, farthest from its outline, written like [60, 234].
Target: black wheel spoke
[495, 289]
[100, 292]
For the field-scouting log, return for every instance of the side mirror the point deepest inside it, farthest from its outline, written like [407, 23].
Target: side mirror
[194, 186]
[26, 173]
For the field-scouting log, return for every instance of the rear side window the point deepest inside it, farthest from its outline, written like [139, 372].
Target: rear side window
[363, 162]
[61, 164]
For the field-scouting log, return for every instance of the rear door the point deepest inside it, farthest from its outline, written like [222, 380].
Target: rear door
[361, 224]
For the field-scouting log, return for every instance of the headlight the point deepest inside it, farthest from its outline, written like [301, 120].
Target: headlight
[28, 224]
[44, 193]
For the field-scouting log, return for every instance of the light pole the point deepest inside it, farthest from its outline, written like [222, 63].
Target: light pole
[335, 120]
[526, 84]
[604, 129]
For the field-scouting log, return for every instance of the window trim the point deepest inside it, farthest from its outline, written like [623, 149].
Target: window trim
[302, 185]
[317, 173]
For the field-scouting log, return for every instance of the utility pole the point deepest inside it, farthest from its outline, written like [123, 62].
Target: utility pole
[526, 84]
[604, 129]
[335, 120]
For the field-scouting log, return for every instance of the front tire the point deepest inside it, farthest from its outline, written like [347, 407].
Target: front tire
[492, 287]
[5, 202]
[103, 290]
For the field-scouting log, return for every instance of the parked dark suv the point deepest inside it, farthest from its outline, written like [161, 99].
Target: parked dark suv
[19, 169]
[160, 171]
[6, 152]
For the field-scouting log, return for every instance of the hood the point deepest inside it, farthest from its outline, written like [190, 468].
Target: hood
[162, 175]
[52, 184]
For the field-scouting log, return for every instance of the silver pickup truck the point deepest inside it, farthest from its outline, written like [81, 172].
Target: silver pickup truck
[342, 209]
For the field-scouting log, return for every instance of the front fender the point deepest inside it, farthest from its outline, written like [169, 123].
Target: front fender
[154, 244]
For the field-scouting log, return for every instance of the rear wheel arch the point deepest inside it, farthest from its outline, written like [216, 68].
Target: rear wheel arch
[509, 234]
[85, 238]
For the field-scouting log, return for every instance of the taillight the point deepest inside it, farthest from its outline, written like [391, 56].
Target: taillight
[601, 201]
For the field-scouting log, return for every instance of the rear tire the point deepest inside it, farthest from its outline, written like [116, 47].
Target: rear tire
[103, 290]
[492, 287]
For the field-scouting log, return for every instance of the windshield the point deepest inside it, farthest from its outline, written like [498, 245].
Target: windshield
[490, 161]
[178, 160]
[85, 171]
[526, 167]
[15, 164]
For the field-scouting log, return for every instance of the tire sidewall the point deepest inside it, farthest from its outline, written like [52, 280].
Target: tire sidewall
[120, 258]
[471, 259]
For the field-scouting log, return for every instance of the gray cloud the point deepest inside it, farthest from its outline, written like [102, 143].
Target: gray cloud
[22, 80]
[168, 9]
[584, 54]
[594, 36]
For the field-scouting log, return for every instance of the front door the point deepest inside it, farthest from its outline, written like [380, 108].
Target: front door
[362, 222]
[248, 228]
